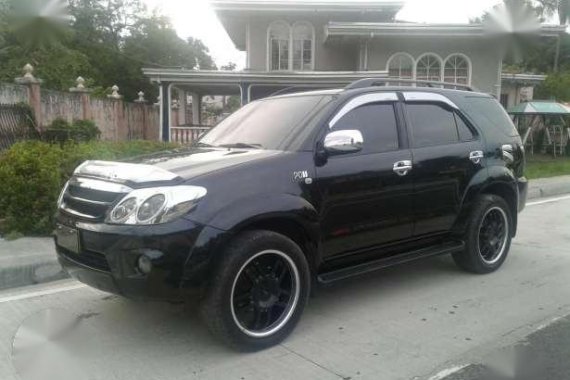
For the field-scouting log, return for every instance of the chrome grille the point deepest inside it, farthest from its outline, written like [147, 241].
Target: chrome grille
[90, 199]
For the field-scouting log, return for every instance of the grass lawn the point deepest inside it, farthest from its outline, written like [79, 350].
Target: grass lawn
[539, 166]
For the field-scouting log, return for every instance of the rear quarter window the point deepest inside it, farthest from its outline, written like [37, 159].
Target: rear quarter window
[488, 113]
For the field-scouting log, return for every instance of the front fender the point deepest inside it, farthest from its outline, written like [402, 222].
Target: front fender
[265, 206]
[237, 216]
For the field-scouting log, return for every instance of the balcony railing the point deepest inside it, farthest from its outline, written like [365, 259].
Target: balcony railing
[187, 134]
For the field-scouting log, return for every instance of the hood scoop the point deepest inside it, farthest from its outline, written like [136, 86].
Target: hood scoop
[124, 172]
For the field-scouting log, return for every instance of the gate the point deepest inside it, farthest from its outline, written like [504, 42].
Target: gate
[16, 123]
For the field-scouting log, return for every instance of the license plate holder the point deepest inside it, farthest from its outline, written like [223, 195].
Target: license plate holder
[67, 238]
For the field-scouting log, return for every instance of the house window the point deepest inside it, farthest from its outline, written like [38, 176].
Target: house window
[302, 47]
[290, 48]
[279, 41]
[457, 69]
[401, 66]
[428, 68]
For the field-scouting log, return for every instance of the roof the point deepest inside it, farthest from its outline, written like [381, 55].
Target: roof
[228, 82]
[235, 14]
[275, 77]
[523, 78]
[371, 29]
[540, 108]
[307, 5]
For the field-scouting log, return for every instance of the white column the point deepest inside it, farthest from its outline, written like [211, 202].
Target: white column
[182, 106]
[196, 109]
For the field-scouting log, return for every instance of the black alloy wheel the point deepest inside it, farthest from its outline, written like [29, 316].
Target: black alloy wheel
[493, 232]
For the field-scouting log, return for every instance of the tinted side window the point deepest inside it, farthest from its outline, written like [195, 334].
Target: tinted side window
[465, 133]
[486, 112]
[377, 123]
[432, 125]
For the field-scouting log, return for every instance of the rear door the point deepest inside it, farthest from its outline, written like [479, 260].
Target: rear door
[447, 154]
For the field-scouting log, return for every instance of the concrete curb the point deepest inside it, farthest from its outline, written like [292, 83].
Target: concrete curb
[30, 261]
[549, 187]
[31, 274]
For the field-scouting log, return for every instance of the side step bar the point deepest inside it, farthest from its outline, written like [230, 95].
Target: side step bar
[371, 266]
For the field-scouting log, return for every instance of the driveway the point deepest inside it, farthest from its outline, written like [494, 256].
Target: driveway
[417, 321]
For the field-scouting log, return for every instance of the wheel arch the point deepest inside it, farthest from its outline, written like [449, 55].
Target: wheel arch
[303, 232]
[501, 183]
[506, 191]
[290, 215]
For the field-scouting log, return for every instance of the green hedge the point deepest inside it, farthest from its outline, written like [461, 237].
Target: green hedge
[32, 174]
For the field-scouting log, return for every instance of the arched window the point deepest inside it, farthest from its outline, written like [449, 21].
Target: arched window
[457, 69]
[428, 68]
[279, 37]
[303, 42]
[401, 66]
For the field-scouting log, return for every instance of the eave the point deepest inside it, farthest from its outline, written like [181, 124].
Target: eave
[184, 76]
[524, 79]
[304, 6]
[397, 29]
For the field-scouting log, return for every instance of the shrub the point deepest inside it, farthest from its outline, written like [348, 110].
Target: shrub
[32, 174]
[80, 130]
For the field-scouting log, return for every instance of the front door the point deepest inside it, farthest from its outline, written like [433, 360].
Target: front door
[365, 202]
[447, 154]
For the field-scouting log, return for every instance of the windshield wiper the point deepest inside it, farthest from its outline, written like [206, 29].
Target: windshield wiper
[241, 146]
[199, 143]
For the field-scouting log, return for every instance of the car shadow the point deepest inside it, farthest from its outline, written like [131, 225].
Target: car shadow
[152, 323]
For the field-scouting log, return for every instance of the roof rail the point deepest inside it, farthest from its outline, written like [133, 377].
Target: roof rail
[372, 82]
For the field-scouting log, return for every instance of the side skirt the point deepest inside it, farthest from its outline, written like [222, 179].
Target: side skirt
[371, 266]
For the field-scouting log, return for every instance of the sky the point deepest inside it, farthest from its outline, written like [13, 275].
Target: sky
[196, 18]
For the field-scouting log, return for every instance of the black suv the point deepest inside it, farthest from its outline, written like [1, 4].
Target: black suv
[298, 190]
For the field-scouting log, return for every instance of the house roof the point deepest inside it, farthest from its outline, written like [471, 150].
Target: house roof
[227, 82]
[235, 14]
[372, 29]
[307, 5]
[540, 108]
[523, 78]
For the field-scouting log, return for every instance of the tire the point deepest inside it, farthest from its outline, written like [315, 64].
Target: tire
[485, 246]
[258, 291]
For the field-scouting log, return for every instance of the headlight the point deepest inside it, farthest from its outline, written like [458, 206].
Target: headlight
[60, 198]
[155, 205]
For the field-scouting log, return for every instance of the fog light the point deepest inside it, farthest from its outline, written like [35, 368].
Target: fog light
[144, 264]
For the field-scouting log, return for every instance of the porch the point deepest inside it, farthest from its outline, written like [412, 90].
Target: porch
[182, 93]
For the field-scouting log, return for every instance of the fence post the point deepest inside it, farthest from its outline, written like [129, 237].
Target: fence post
[120, 125]
[85, 97]
[34, 92]
[141, 101]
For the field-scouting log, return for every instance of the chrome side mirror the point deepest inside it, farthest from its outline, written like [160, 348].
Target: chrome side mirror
[343, 142]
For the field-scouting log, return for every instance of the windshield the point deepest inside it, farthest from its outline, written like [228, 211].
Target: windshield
[265, 124]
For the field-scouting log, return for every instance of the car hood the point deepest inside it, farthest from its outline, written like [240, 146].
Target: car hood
[172, 166]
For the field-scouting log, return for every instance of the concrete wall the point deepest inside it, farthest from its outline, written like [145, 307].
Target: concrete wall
[486, 62]
[516, 93]
[327, 57]
[117, 120]
[62, 105]
[13, 93]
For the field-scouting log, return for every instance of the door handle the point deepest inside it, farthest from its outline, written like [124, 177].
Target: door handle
[402, 168]
[476, 156]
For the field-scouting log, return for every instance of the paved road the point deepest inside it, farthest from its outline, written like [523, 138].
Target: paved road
[424, 320]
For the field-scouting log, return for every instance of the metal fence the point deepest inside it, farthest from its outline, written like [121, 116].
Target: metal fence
[16, 123]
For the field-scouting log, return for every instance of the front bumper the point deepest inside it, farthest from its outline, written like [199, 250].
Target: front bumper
[108, 257]
[522, 184]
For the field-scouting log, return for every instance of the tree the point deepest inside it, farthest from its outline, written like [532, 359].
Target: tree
[230, 66]
[107, 42]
